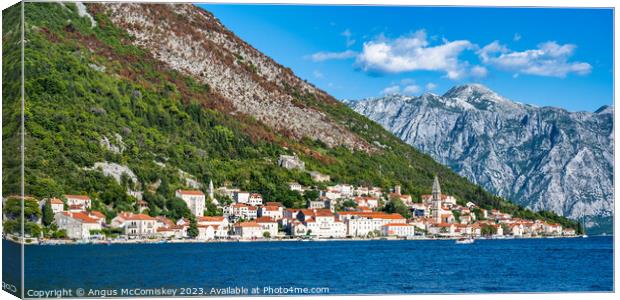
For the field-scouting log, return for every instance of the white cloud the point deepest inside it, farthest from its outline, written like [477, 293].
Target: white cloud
[411, 89]
[494, 47]
[549, 59]
[394, 89]
[348, 35]
[479, 71]
[323, 56]
[516, 37]
[430, 86]
[317, 74]
[412, 53]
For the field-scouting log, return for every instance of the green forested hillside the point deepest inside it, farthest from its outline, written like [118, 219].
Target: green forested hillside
[83, 83]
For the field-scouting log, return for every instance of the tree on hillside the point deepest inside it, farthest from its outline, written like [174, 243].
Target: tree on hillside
[192, 231]
[488, 230]
[212, 209]
[457, 215]
[177, 209]
[349, 204]
[48, 214]
[13, 209]
[311, 195]
[32, 229]
[478, 213]
[397, 206]
[288, 198]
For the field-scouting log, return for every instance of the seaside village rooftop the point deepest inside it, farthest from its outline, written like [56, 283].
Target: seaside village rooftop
[340, 211]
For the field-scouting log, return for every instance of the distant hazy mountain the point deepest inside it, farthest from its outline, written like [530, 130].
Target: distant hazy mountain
[542, 157]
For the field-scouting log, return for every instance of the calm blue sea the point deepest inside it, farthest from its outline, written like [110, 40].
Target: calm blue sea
[345, 267]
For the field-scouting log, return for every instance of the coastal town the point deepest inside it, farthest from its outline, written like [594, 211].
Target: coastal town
[339, 211]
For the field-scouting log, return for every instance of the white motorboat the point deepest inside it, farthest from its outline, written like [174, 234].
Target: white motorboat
[465, 241]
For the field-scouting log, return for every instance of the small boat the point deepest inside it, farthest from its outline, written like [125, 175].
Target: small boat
[465, 241]
[583, 228]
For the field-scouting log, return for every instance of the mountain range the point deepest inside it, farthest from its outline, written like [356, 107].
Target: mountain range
[127, 101]
[545, 158]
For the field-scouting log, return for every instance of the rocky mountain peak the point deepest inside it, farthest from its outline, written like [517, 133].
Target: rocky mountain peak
[535, 156]
[468, 91]
[605, 109]
[474, 93]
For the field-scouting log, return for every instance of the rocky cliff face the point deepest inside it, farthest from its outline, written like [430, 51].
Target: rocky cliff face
[543, 157]
[194, 42]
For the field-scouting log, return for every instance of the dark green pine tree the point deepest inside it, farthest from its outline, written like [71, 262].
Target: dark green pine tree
[192, 231]
[48, 214]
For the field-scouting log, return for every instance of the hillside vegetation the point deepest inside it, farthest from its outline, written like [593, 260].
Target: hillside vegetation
[85, 85]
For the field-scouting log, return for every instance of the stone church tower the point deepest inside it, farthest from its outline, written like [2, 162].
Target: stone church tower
[436, 201]
[436, 190]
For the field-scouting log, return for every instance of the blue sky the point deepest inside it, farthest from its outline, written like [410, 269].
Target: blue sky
[554, 57]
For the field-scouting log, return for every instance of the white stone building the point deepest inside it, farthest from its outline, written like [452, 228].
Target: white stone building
[295, 186]
[271, 211]
[136, 225]
[210, 228]
[57, 205]
[78, 203]
[77, 225]
[361, 224]
[319, 223]
[255, 199]
[195, 200]
[398, 230]
[241, 197]
[248, 230]
[241, 210]
[268, 225]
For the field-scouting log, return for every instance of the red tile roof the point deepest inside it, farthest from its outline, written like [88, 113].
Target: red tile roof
[56, 201]
[265, 220]
[211, 219]
[141, 217]
[323, 213]
[191, 192]
[83, 217]
[135, 217]
[247, 224]
[397, 224]
[97, 214]
[80, 197]
[372, 215]
[271, 208]
[307, 212]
